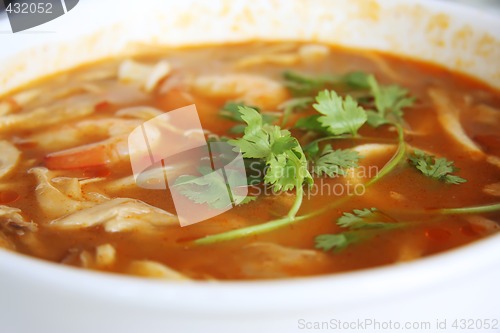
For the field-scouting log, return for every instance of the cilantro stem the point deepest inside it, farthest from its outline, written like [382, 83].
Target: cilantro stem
[395, 160]
[299, 192]
[469, 210]
[299, 195]
[250, 231]
[291, 217]
[347, 137]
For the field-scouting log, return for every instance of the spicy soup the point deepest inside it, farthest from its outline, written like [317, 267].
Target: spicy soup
[353, 159]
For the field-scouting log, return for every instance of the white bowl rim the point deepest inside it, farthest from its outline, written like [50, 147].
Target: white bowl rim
[216, 297]
[372, 283]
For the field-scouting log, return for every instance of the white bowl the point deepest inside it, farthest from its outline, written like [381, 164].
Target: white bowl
[461, 284]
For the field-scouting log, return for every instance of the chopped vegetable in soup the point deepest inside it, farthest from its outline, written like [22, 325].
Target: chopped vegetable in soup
[354, 159]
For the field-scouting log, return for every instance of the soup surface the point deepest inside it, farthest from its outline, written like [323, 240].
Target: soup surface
[353, 159]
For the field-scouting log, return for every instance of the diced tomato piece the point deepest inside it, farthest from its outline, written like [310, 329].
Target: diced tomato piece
[437, 234]
[8, 196]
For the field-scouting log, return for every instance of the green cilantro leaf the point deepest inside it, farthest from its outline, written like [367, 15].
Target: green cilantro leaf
[335, 162]
[368, 218]
[230, 111]
[340, 116]
[292, 105]
[211, 188]
[337, 242]
[356, 80]
[302, 84]
[436, 168]
[389, 103]
[363, 224]
[286, 162]
[311, 123]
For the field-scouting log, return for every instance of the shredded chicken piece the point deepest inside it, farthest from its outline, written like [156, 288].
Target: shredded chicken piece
[396, 196]
[449, 116]
[152, 269]
[283, 59]
[98, 74]
[9, 158]
[268, 260]
[487, 114]
[286, 56]
[147, 76]
[118, 215]
[313, 52]
[493, 160]
[411, 249]
[72, 135]
[86, 259]
[248, 88]
[25, 97]
[105, 255]
[492, 189]
[382, 64]
[140, 112]
[66, 110]
[53, 201]
[5, 108]
[12, 220]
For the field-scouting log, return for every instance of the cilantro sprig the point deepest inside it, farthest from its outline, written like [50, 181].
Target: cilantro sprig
[331, 162]
[230, 111]
[362, 224]
[211, 188]
[287, 164]
[340, 115]
[301, 84]
[436, 168]
[389, 101]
